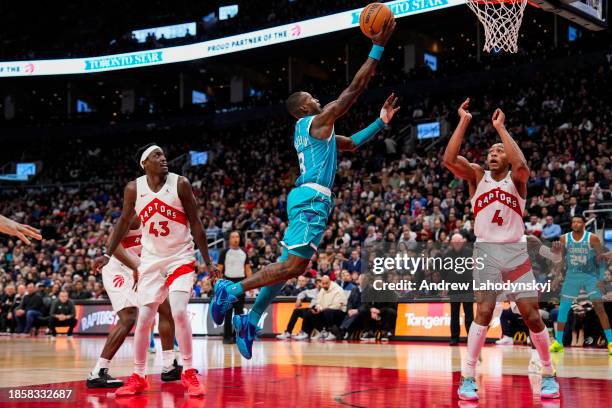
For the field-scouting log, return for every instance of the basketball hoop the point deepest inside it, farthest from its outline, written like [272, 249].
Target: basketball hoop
[501, 20]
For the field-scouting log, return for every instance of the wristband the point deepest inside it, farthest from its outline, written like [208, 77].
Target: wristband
[376, 52]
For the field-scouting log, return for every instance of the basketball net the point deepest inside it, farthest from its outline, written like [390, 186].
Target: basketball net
[501, 20]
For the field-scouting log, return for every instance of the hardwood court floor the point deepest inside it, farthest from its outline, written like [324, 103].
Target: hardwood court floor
[288, 374]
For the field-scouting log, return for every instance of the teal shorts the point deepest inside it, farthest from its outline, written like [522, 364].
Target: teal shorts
[308, 210]
[573, 284]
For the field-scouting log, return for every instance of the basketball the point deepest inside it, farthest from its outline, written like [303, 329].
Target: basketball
[373, 17]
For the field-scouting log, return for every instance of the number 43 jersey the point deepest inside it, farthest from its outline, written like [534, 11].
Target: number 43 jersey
[165, 228]
[498, 210]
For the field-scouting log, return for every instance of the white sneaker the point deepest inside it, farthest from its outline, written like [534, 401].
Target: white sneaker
[330, 337]
[316, 335]
[284, 336]
[505, 341]
[300, 336]
[535, 364]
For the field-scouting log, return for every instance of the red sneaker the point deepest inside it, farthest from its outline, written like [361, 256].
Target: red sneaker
[189, 379]
[134, 385]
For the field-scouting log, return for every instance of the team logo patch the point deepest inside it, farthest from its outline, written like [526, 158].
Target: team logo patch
[118, 281]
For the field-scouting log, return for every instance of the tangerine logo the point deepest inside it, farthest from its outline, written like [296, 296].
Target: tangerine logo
[296, 30]
[118, 281]
[29, 68]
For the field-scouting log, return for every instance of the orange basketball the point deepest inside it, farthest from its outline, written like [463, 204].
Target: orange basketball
[372, 17]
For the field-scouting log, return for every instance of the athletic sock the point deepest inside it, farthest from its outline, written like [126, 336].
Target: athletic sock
[541, 342]
[235, 289]
[168, 360]
[608, 333]
[263, 300]
[102, 363]
[476, 339]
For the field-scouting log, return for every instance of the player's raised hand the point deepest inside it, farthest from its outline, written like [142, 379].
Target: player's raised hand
[381, 37]
[557, 247]
[21, 231]
[389, 109]
[498, 118]
[463, 111]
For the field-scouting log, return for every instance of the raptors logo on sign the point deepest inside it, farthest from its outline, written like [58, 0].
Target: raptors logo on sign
[118, 281]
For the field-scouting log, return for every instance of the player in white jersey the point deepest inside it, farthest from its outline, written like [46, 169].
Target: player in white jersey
[167, 209]
[119, 276]
[498, 200]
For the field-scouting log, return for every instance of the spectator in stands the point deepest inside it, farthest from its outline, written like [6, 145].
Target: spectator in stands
[307, 295]
[329, 310]
[346, 282]
[509, 320]
[533, 227]
[30, 308]
[353, 264]
[294, 287]
[353, 306]
[550, 230]
[79, 293]
[62, 314]
[7, 300]
[378, 309]
[235, 266]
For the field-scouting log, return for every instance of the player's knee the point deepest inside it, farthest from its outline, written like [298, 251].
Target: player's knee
[485, 312]
[180, 316]
[128, 320]
[532, 317]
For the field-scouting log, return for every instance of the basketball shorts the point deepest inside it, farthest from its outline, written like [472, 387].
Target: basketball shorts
[307, 210]
[118, 281]
[503, 262]
[573, 283]
[160, 276]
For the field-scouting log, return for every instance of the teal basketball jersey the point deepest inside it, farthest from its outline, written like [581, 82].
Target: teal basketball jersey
[579, 256]
[317, 157]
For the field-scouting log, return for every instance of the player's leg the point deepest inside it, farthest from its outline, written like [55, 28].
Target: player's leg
[528, 306]
[171, 370]
[569, 291]
[99, 377]
[178, 303]
[291, 265]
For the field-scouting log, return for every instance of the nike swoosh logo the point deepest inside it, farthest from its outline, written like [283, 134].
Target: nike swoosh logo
[142, 195]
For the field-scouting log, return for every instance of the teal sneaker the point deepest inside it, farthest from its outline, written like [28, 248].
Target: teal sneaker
[550, 387]
[246, 333]
[221, 301]
[468, 390]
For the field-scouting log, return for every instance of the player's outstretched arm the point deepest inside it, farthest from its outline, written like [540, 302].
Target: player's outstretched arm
[459, 165]
[123, 223]
[185, 193]
[21, 231]
[358, 139]
[323, 123]
[520, 170]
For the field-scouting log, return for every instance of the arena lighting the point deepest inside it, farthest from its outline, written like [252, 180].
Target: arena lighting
[212, 48]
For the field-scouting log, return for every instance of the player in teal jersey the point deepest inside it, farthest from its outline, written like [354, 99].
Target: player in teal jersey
[310, 203]
[582, 271]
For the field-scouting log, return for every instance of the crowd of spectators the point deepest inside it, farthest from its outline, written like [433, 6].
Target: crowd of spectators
[394, 192]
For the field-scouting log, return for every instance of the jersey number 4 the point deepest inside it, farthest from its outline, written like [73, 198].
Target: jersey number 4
[162, 231]
[497, 219]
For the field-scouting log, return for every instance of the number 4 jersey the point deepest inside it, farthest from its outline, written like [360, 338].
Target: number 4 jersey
[498, 210]
[165, 228]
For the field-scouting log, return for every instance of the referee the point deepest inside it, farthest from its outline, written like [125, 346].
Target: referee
[235, 266]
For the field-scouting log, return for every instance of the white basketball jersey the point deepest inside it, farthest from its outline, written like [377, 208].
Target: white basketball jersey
[165, 228]
[498, 210]
[131, 243]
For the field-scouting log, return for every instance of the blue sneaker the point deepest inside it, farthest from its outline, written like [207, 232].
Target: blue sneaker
[246, 333]
[221, 301]
[468, 390]
[550, 387]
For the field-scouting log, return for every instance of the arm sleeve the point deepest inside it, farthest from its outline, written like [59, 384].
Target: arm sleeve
[369, 132]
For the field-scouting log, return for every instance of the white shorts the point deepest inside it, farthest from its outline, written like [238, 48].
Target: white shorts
[160, 276]
[118, 281]
[504, 262]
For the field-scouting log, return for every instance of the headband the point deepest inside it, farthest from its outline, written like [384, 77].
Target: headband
[147, 152]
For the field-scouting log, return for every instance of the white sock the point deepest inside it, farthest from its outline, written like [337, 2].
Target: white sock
[182, 326]
[476, 339]
[102, 363]
[168, 359]
[541, 341]
[146, 316]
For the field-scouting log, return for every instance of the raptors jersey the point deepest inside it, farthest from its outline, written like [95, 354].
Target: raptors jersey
[165, 229]
[131, 243]
[498, 210]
